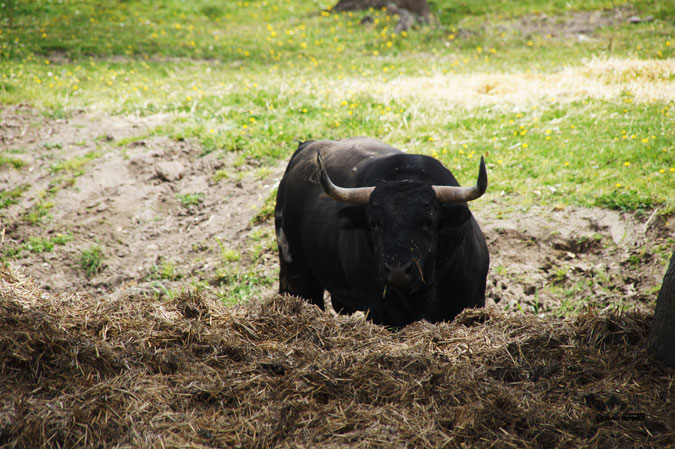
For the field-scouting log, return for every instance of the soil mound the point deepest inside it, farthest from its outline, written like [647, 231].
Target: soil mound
[79, 371]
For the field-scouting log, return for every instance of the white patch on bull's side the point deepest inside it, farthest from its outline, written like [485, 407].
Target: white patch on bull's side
[284, 250]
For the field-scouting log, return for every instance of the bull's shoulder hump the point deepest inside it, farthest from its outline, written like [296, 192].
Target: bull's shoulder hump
[368, 145]
[344, 154]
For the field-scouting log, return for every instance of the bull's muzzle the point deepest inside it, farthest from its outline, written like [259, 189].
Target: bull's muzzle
[406, 277]
[399, 276]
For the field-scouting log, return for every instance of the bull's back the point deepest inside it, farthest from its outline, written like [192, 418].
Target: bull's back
[343, 159]
[300, 195]
[306, 219]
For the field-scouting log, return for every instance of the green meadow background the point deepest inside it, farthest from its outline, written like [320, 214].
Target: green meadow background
[563, 116]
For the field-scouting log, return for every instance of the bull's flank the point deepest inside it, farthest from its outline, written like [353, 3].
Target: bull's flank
[77, 371]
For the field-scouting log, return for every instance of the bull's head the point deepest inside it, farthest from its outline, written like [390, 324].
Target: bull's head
[404, 218]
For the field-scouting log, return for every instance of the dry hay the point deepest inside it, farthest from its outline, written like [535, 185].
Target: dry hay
[138, 372]
[602, 79]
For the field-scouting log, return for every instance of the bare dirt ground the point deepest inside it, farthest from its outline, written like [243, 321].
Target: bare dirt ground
[125, 199]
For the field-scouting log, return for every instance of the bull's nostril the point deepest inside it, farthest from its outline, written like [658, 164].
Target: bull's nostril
[399, 275]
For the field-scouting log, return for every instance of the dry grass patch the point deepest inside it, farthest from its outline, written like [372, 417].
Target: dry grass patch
[604, 79]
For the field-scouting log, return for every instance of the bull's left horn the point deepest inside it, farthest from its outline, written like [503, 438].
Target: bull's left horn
[452, 194]
[358, 195]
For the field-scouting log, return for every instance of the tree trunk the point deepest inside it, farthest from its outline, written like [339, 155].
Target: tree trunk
[661, 339]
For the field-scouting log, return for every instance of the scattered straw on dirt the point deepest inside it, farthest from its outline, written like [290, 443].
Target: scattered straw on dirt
[134, 372]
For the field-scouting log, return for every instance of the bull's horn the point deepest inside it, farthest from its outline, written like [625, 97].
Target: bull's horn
[359, 195]
[452, 194]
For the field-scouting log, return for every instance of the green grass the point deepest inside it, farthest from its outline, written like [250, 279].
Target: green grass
[164, 270]
[74, 166]
[239, 284]
[40, 244]
[551, 154]
[12, 196]
[561, 119]
[235, 282]
[9, 161]
[190, 199]
[228, 254]
[38, 213]
[91, 260]
[266, 212]
[37, 244]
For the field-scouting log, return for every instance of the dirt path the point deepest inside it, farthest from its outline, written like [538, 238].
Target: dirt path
[99, 180]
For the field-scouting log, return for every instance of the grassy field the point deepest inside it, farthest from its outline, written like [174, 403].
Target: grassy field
[593, 127]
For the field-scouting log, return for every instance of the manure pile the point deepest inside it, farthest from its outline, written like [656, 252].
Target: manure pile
[76, 371]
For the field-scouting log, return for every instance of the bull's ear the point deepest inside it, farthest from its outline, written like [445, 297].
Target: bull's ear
[352, 218]
[454, 215]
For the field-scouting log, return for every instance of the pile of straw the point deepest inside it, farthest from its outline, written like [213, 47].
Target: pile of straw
[138, 372]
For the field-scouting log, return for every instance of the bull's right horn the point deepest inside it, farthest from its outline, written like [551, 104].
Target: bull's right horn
[358, 195]
[453, 194]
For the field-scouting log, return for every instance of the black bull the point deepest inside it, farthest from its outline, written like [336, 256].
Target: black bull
[384, 232]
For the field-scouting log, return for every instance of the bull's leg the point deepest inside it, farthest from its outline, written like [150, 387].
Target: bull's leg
[339, 305]
[295, 278]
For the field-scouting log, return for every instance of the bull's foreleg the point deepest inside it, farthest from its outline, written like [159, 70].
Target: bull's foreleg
[296, 279]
